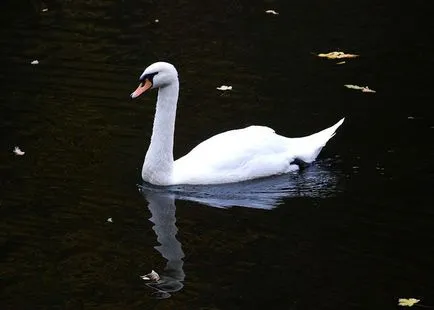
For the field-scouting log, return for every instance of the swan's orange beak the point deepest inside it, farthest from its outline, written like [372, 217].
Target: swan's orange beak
[144, 86]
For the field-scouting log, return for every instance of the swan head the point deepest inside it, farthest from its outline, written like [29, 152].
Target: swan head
[157, 75]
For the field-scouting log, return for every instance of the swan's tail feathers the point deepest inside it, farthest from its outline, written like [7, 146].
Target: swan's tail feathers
[328, 133]
[312, 145]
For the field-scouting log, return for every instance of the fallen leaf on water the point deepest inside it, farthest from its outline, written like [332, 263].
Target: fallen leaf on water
[337, 55]
[224, 87]
[271, 12]
[44, 10]
[151, 276]
[340, 63]
[34, 62]
[407, 302]
[364, 89]
[110, 220]
[18, 152]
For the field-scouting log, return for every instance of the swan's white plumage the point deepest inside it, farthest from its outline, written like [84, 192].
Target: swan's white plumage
[231, 156]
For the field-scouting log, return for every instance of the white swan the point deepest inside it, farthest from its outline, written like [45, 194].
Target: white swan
[232, 156]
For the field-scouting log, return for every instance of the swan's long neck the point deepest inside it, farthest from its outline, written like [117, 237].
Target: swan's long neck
[158, 165]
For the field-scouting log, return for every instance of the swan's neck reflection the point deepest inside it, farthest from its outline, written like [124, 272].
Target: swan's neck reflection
[163, 209]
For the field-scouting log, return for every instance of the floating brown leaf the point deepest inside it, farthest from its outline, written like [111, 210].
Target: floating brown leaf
[364, 89]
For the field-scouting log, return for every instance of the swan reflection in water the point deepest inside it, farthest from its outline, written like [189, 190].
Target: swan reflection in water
[162, 207]
[316, 181]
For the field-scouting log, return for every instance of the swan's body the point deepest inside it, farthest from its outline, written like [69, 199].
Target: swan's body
[231, 156]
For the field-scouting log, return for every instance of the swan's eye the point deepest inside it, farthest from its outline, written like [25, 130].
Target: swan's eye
[149, 76]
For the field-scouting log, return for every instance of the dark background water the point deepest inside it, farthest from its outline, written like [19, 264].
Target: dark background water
[366, 243]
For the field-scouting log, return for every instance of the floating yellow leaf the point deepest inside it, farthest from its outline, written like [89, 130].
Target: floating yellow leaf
[337, 55]
[340, 63]
[407, 302]
[364, 89]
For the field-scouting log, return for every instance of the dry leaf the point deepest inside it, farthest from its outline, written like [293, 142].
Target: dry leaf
[364, 89]
[18, 152]
[151, 276]
[34, 62]
[337, 55]
[224, 87]
[407, 302]
[271, 12]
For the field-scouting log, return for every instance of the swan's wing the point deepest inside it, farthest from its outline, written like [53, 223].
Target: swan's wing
[245, 153]
[231, 148]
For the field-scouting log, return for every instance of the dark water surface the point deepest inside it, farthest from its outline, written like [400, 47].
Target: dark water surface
[354, 231]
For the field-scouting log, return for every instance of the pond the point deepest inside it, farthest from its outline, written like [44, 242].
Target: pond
[79, 227]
